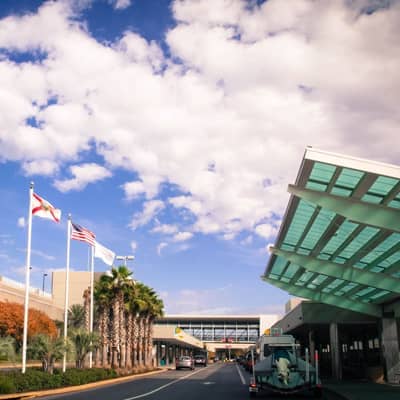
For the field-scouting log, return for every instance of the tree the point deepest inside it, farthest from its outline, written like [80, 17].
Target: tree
[119, 282]
[48, 349]
[84, 342]
[12, 322]
[152, 309]
[102, 297]
[126, 311]
[76, 316]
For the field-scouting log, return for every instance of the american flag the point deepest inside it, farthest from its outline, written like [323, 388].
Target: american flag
[82, 234]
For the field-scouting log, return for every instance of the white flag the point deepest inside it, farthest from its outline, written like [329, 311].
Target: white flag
[105, 254]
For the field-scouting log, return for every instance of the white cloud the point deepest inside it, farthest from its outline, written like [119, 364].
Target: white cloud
[226, 125]
[229, 236]
[160, 247]
[120, 4]
[165, 229]
[266, 230]
[182, 236]
[21, 222]
[83, 175]
[40, 254]
[148, 186]
[134, 246]
[133, 189]
[40, 167]
[150, 209]
[248, 240]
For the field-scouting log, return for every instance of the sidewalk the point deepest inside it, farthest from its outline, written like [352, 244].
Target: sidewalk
[358, 390]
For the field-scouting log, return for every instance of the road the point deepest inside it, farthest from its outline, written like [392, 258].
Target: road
[214, 382]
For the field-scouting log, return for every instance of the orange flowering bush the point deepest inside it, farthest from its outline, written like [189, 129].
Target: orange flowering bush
[12, 321]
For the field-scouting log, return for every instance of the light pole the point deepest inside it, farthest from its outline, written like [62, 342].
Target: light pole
[125, 258]
[44, 276]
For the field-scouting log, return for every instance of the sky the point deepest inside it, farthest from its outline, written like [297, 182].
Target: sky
[171, 129]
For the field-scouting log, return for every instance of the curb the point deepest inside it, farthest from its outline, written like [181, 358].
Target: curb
[68, 389]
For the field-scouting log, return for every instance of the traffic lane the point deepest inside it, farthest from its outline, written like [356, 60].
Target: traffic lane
[137, 387]
[326, 394]
[221, 381]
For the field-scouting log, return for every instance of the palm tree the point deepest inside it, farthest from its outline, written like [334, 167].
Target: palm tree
[84, 342]
[156, 311]
[118, 282]
[153, 309]
[86, 308]
[48, 350]
[76, 316]
[135, 305]
[102, 296]
[126, 314]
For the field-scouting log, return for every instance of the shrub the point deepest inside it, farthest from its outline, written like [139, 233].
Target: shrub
[36, 379]
[6, 385]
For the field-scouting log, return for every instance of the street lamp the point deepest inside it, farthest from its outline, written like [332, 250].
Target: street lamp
[44, 276]
[125, 258]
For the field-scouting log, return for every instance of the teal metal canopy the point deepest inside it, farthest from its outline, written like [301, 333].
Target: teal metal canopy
[339, 242]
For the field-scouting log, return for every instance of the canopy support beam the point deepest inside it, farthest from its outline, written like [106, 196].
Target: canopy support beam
[338, 301]
[341, 271]
[355, 210]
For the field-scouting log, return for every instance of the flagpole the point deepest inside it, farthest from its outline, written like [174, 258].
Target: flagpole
[27, 280]
[67, 290]
[91, 302]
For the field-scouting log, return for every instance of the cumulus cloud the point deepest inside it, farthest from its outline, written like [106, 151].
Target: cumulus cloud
[120, 4]
[165, 229]
[150, 209]
[134, 246]
[160, 247]
[182, 236]
[248, 240]
[83, 175]
[40, 167]
[21, 222]
[223, 116]
[266, 230]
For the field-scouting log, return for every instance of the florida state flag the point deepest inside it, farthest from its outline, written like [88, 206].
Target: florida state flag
[42, 208]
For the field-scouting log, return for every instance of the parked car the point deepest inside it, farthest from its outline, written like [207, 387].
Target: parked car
[184, 362]
[200, 360]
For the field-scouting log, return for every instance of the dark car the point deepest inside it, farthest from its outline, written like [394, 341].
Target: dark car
[200, 360]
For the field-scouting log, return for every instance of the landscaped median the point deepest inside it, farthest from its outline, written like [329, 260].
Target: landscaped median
[34, 382]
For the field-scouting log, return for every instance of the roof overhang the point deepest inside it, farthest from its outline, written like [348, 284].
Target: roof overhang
[339, 241]
[175, 335]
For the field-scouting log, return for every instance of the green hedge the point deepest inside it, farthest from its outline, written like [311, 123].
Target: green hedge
[35, 379]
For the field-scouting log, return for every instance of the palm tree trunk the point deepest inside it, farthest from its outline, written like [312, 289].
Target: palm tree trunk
[115, 333]
[104, 333]
[129, 341]
[122, 326]
[146, 342]
[142, 337]
[86, 306]
[135, 341]
[150, 342]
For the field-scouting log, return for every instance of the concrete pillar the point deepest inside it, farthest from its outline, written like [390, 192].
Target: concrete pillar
[335, 351]
[390, 349]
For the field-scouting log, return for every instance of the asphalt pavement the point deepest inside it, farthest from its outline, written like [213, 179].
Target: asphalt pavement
[215, 382]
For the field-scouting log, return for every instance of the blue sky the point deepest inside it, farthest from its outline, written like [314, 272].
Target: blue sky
[172, 128]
